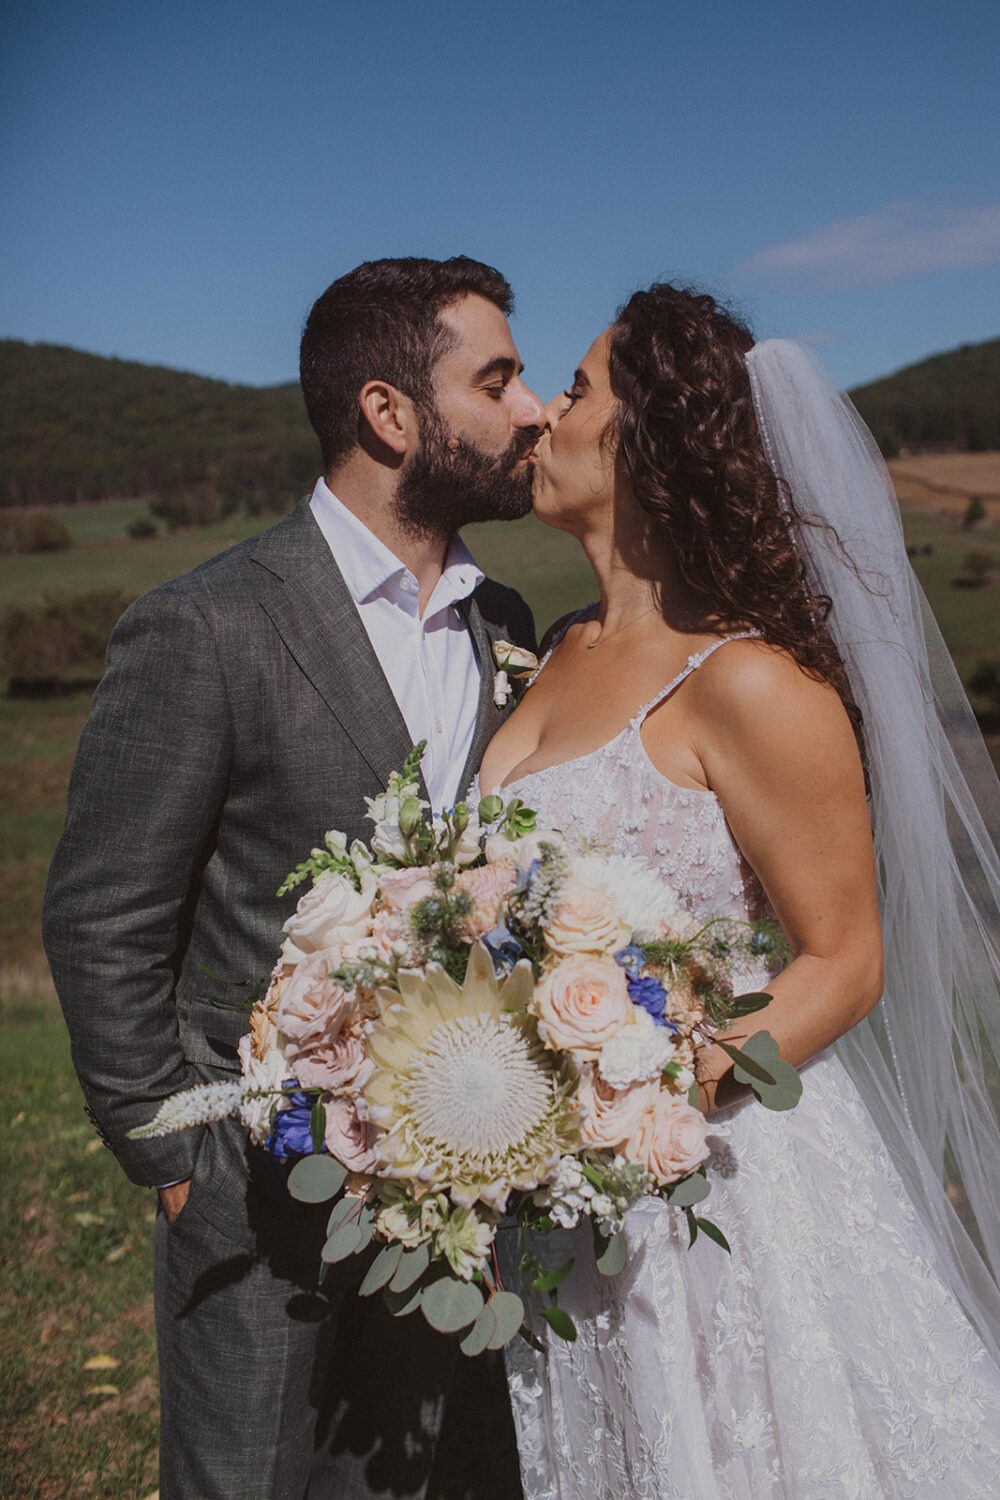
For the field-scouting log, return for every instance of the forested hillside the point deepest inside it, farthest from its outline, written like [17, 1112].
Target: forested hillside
[81, 428]
[77, 427]
[949, 399]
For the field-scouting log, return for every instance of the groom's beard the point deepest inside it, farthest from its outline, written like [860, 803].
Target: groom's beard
[442, 489]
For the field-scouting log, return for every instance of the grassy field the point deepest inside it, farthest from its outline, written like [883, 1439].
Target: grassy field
[76, 1234]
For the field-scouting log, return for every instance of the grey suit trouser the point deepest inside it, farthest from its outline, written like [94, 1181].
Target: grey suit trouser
[273, 1390]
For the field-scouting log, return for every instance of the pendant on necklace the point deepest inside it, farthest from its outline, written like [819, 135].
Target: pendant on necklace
[591, 644]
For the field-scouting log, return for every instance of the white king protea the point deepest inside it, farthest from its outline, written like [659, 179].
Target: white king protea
[465, 1098]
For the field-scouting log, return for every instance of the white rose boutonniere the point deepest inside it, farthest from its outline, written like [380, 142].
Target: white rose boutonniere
[512, 662]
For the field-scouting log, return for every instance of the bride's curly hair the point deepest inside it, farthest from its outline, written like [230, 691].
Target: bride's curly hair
[687, 434]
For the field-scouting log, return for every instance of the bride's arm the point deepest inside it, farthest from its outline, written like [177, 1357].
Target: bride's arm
[779, 752]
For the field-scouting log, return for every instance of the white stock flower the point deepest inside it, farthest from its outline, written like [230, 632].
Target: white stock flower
[465, 1240]
[501, 689]
[637, 1053]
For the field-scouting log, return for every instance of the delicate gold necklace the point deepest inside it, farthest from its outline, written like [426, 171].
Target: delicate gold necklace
[591, 645]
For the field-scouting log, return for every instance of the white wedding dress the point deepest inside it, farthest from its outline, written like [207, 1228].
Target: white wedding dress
[825, 1359]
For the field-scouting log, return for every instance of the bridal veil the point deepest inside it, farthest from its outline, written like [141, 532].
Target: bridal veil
[928, 1056]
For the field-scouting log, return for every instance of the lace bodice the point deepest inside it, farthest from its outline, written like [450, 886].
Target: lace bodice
[614, 798]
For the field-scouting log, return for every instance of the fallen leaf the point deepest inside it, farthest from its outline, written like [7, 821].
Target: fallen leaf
[103, 1390]
[154, 1496]
[19, 1118]
[102, 1362]
[115, 1254]
[92, 1147]
[88, 1220]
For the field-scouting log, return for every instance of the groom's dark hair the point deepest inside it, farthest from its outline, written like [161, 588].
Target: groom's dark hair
[381, 322]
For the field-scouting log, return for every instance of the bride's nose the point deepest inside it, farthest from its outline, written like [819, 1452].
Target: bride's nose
[554, 411]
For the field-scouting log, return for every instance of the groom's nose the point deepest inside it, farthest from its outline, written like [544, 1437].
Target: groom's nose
[527, 409]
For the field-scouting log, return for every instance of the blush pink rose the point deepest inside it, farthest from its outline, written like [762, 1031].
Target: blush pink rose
[336, 1063]
[487, 887]
[401, 889]
[312, 1004]
[347, 1137]
[585, 921]
[329, 915]
[671, 1139]
[582, 1003]
[610, 1117]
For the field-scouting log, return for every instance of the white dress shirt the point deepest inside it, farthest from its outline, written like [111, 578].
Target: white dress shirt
[429, 660]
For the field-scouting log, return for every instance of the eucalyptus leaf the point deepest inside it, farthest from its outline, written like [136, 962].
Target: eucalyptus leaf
[748, 1005]
[560, 1322]
[450, 1305]
[381, 1270]
[314, 1179]
[611, 1257]
[785, 1087]
[714, 1233]
[402, 1303]
[752, 1069]
[343, 1242]
[508, 1313]
[694, 1096]
[347, 1211]
[688, 1191]
[412, 1265]
[477, 1340]
[550, 1279]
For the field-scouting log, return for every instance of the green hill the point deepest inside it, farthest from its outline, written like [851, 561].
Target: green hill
[81, 428]
[950, 399]
[78, 427]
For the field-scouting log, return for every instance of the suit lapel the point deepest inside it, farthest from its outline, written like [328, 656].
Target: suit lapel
[488, 717]
[310, 606]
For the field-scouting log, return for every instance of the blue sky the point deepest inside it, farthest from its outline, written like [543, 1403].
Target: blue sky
[181, 180]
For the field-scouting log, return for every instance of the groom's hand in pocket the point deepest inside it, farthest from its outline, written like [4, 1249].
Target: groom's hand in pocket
[174, 1197]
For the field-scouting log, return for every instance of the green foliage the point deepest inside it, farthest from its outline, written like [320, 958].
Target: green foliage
[43, 647]
[951, 398]
[81, 428]
[20, 531]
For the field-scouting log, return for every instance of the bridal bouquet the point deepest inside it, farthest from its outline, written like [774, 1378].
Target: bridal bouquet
[470, 1020]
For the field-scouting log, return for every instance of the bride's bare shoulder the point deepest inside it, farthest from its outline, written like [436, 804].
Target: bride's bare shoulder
[751, 687]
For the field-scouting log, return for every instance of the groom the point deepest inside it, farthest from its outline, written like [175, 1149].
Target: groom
[246, 708]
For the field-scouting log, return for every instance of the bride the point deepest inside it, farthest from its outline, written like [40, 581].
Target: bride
[754, 695]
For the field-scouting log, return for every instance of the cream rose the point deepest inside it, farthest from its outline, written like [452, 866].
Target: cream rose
[671, 1139]
[515, 660]
[313, 1005]
[582, 1003]
[500, 847]
[333, 912]
[610, 1117]
[585, 921]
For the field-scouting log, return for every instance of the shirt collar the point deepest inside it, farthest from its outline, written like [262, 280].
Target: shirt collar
[369, 567]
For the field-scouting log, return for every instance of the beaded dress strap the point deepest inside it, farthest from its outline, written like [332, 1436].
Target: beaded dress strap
[692, 665]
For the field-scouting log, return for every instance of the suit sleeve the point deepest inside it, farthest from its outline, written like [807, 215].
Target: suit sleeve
[147, 788]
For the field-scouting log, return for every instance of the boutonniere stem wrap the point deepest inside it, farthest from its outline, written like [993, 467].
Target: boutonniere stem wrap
[514, 664]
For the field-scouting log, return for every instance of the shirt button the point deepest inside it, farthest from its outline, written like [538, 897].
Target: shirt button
[409, 584]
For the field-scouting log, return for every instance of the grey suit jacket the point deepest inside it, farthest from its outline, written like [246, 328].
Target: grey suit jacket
[243, 712]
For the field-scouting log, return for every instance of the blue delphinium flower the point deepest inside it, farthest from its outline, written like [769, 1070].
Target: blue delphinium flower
[503, 948]
[650, 994]
[762, 943]
[291, 1134]
[631, 959]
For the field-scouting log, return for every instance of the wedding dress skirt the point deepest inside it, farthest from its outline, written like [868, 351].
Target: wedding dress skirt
[825, 1359]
